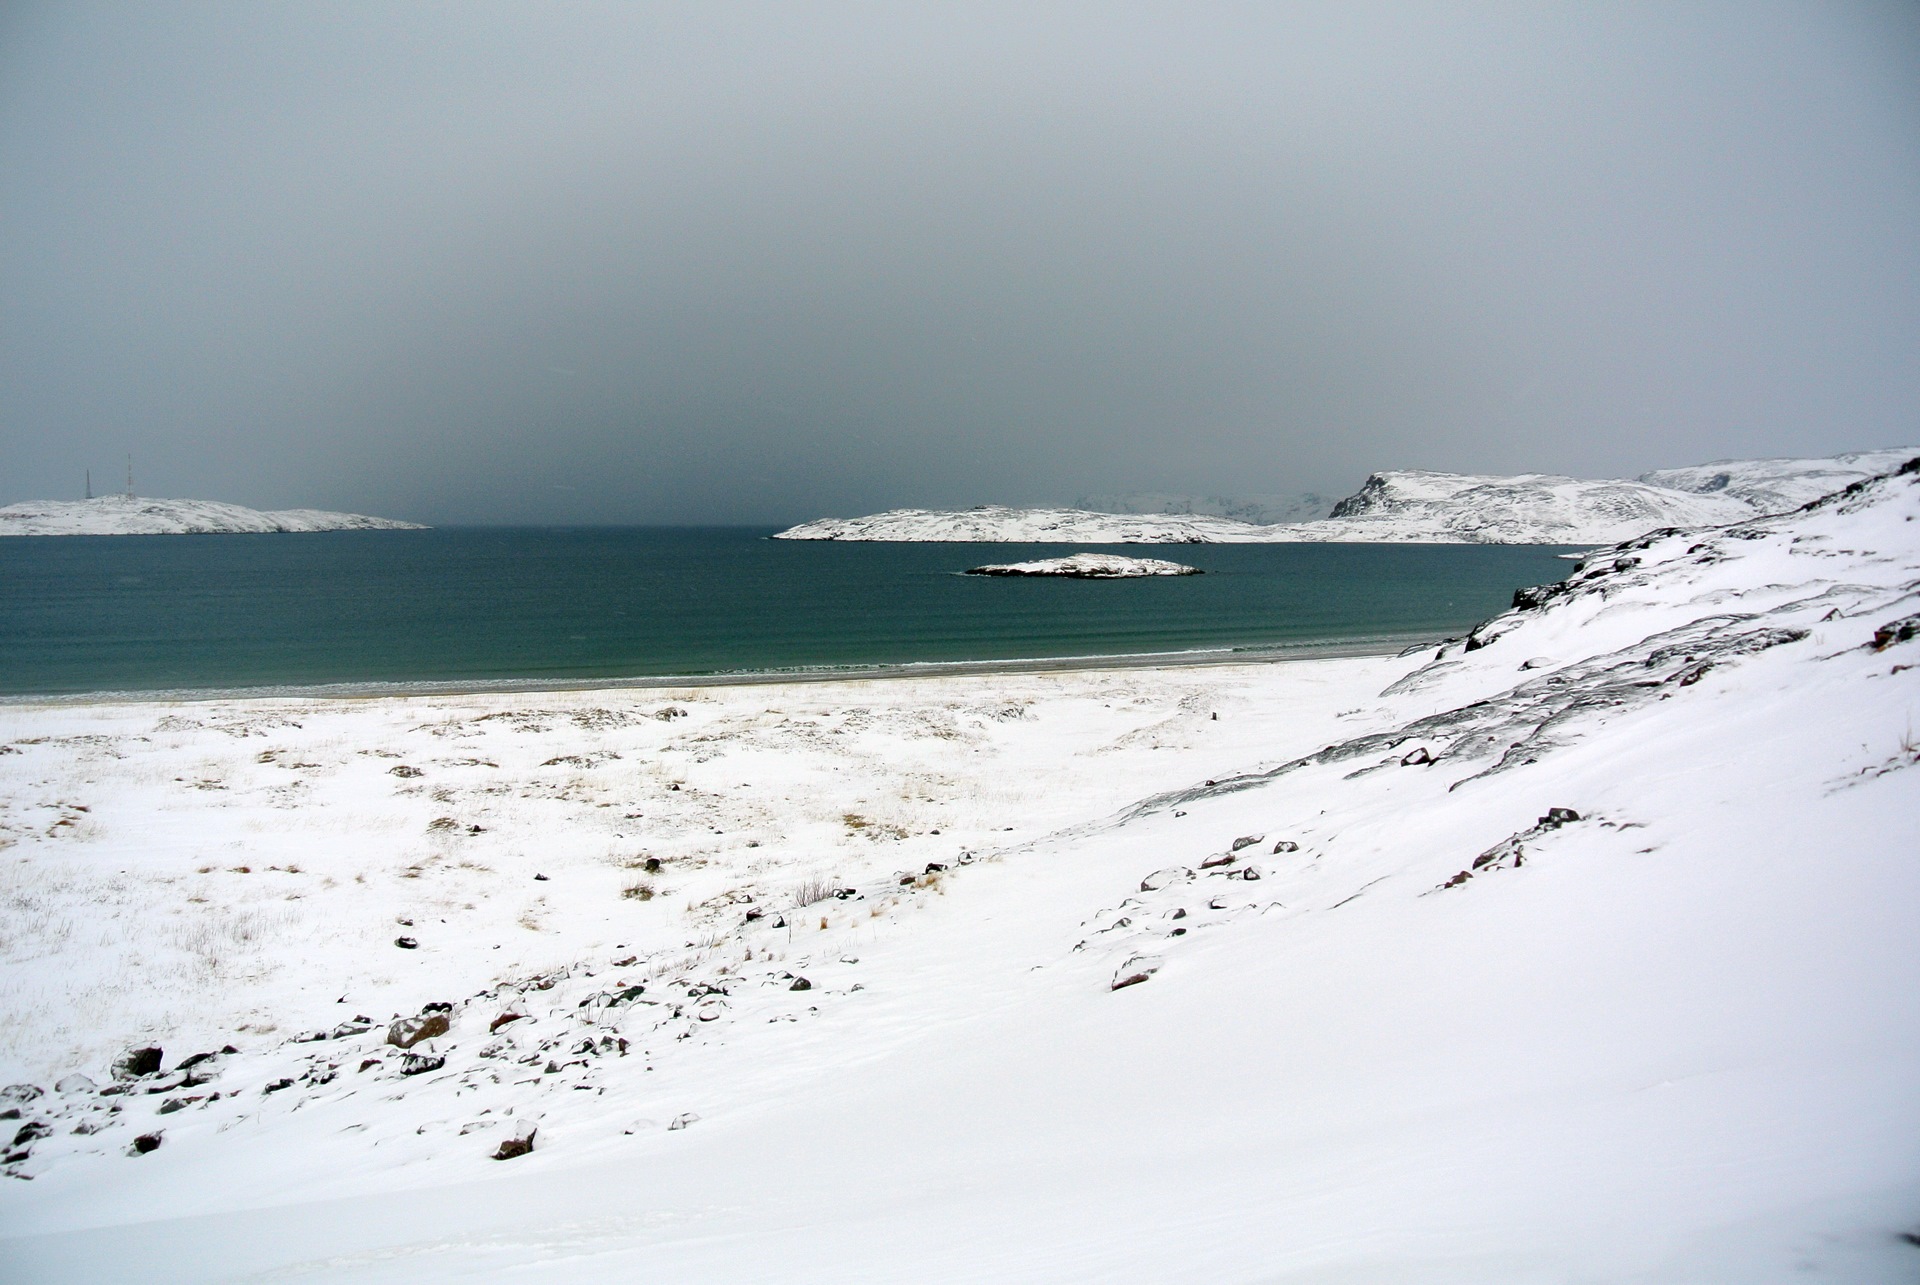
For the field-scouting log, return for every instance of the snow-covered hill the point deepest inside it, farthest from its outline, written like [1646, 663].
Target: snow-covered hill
[118, 515]
[1418, 507]
[1577, 949]
[1774, 486]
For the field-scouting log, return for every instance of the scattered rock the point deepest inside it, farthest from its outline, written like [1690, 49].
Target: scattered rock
[418, 1064]
[1245, 841]
[31, 1132]
[135, 1063]
[1416, 757]
[1218, 903]
[801, 984]
[684, 1119]
[404, 770]
[145, 1142]
[176, 1104]
[1557, 817]
[502, 1020]
[409, 1031]
[1222, 860]
[358, 1026]
[1285, 845]
[1135, 971]
[277, 1085]
[1536, 662]
[407, 943]
[540, 879]
[1165, 878]
[77, 1084]
[21, 1094]
[1250, 873]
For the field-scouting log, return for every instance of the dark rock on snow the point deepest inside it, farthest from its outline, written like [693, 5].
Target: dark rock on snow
[135, 1063]
[409, 1031]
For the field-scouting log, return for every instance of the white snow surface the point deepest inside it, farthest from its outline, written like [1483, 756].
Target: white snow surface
[1450, 1033]
[1415, 506]
[1089, 566]
[118, 515]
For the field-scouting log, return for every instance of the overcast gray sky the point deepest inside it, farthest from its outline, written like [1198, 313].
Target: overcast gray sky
[549, 262]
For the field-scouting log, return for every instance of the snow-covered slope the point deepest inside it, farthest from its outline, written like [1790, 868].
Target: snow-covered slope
[1417, 506]
[118, 515]
[992, 523]
[1580, 949]
[1774, 486]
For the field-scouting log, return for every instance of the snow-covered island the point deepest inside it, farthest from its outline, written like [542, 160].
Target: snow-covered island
[1413, 506]
[120, 515]
[1089, 566]
[1579, 948]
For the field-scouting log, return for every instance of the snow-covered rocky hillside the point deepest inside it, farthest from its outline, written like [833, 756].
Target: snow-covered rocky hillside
[1579, 949]
[118, 515]
[1417, 506]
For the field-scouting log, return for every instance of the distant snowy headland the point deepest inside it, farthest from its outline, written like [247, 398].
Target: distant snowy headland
[1089, 566]
[1415, 506]
[120, 515]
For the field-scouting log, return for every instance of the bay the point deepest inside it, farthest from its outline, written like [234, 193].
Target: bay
[479, 606]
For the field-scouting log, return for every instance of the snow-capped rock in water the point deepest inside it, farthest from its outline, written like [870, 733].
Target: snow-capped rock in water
[1584, 951]
[118, 515]
[1415, 506]
[1089, 566]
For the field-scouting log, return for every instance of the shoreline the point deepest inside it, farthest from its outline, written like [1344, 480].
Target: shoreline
[1385, 645]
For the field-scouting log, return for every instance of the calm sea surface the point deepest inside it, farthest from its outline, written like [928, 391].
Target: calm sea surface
[473, 606]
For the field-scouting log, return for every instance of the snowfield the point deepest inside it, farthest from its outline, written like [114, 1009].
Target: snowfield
[1580, 949]
[1419, 507]
[119, 515]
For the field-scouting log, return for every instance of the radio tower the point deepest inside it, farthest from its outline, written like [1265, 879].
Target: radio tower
[129, 476]
[89, 484]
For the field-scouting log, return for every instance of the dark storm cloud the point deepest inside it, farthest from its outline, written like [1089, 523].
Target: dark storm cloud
[727, 263]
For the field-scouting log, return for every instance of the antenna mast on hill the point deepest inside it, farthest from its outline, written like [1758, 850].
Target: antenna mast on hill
[129, 476]
[89, 484]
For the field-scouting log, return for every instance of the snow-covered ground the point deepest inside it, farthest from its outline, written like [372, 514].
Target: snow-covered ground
[1089, 566]
[1418, 507]
[1581, 950]
[119, 515]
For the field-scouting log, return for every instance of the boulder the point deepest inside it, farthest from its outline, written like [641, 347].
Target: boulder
[518, 1145]
[801, 984]
[20, 1094]
[1285, 845]
[145, 1142]
[684, 1119]
[1222, 860]
[1135, 971]
[74, 1084]
[1416, 757]
[1165, 878]
[1245, 841]
[135, 1063]
[409, 1031]
[420, 1064]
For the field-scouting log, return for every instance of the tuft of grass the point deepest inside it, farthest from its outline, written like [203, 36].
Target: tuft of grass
[818, 888]
[641, 890]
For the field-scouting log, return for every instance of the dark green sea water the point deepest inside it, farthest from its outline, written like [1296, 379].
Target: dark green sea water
[475, 606]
